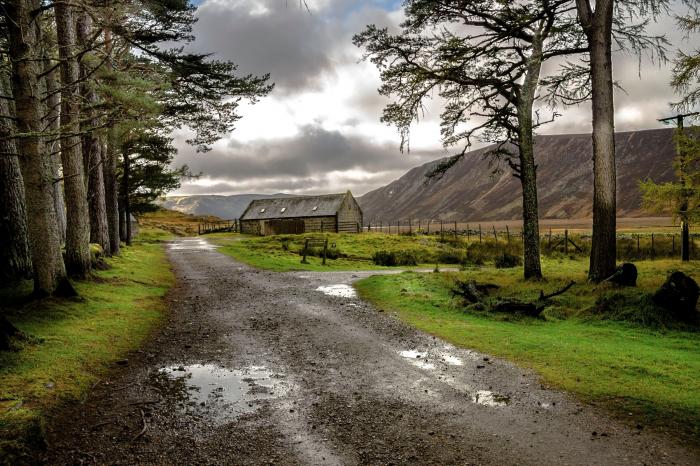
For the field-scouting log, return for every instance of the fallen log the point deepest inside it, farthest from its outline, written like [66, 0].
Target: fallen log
[476, 293]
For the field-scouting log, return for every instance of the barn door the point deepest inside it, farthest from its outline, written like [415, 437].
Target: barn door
[285, 227]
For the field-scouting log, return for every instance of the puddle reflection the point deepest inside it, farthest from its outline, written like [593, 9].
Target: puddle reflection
[341, 291]
[220, 391]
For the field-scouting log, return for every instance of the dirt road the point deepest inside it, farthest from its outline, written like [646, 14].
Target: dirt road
[258, 367]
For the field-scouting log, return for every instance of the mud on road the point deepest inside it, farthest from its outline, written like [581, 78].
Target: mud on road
[256, 367]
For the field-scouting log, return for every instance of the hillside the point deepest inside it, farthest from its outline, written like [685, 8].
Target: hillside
[470, 190]
[225, 207]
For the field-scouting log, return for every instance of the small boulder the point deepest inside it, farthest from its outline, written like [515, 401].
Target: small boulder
[679, 294]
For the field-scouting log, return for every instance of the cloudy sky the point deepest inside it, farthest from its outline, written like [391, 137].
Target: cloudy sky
[319, 130]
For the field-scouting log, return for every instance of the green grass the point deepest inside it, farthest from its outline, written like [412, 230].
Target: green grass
[281, 253]
[654, 374]
[78, 338]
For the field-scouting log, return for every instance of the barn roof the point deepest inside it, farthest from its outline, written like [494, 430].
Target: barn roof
[293, 207]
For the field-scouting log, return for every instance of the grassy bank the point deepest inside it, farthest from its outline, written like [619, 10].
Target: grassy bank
[77, 339]
[652, 373]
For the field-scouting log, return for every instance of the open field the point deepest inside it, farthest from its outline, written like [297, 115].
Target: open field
[282, 253]
[174, 222]
[77, 340]
[650, 372]
[355, 252]
[574, 225]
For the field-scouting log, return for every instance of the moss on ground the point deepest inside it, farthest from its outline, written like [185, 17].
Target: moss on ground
[77, 339]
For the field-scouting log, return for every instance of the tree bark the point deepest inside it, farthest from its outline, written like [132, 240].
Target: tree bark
[91, 143]
[598, 28]
[109, 166]
[15, 261]
[53, 125]
[528, 171]
[127, 204]
[77, 213]
[23, 31]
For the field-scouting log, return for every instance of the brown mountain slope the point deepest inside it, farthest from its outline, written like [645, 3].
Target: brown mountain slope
[565, 182]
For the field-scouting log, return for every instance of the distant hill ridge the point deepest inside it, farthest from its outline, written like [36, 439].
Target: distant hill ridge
[565, 182]
[225, 207]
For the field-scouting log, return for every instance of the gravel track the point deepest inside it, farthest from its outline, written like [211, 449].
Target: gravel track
[256, 367]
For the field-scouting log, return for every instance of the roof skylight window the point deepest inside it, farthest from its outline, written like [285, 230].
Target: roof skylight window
[315, 208]
[283, 209]
[262, 211]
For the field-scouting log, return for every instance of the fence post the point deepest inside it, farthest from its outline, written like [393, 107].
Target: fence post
[508, 235]
[428, 226]
[199, 228]
[455, 230]
[306, 248]
[442, 229]
[495, 236]
[566, 241]
[325, 250]
[637, 245]
[418, 224]
[410, 226]
[480, 233]
[653, 253]
[673, 244]
[469, 233]
[549, 244]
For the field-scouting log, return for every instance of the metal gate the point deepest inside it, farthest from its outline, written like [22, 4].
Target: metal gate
[284, 227]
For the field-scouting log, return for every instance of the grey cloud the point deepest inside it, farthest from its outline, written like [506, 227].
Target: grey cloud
[309, 157]
[295, 47]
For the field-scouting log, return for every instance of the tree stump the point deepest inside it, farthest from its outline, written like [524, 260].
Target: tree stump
[679, 294]
[625, 275]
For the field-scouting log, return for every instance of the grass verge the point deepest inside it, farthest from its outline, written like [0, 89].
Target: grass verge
[654, 374]
[78, 339]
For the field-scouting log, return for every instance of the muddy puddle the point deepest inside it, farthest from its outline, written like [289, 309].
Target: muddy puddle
[431, 359]
[220, 392]
[425, 360]
[341, 291]
[192, 244]
[489, 398]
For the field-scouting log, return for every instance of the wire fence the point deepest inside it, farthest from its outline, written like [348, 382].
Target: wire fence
[630, 246]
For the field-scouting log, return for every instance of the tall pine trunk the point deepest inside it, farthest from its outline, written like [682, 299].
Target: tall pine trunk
[528, 170]
[77, 213]
[52, 124]
[15, 261]
[112, 191]
[91, 142]
[23, 31]
[598, 29]
[109, 164]
[126, 189]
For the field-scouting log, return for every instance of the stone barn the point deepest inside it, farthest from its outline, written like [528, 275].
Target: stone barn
[336, 213]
